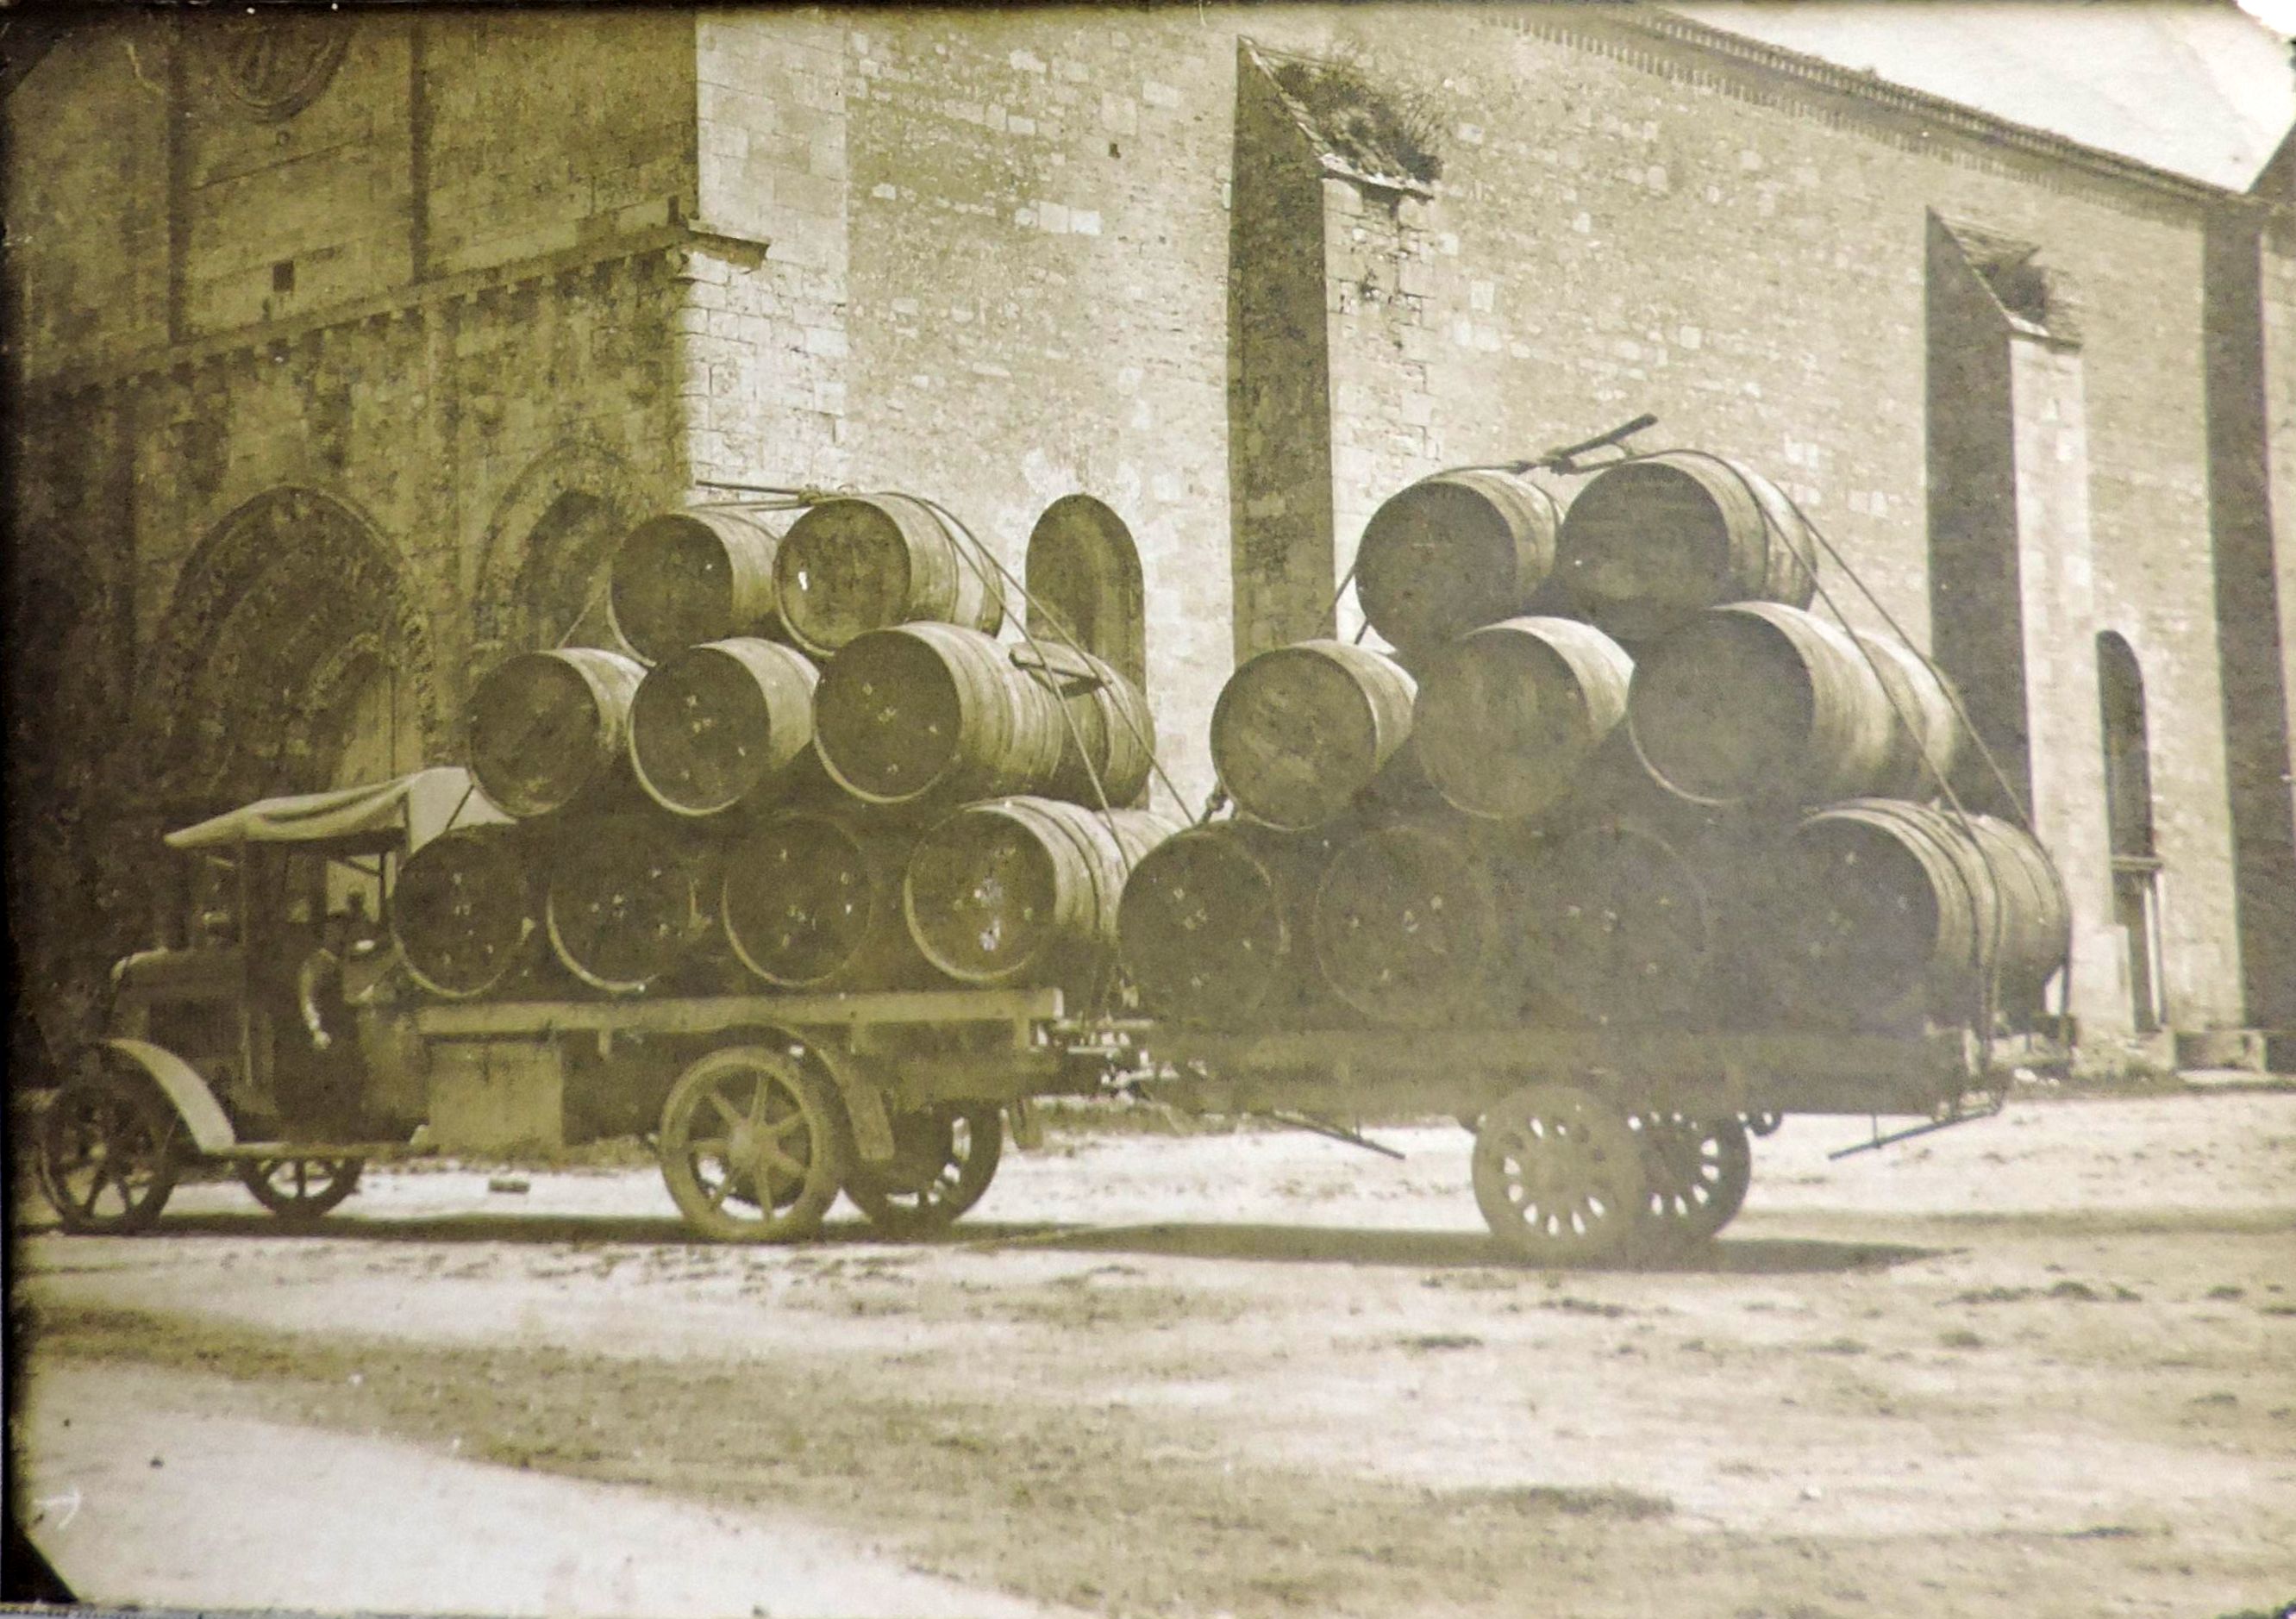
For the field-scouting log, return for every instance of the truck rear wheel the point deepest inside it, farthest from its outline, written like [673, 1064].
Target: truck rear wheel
[1695, 1175]
[943, 1160]
[108, 1151]
[754, 1146]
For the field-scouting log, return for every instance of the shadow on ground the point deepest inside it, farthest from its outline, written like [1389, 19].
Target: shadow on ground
[1171, 1239]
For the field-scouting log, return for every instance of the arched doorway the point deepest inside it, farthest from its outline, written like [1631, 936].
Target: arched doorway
[293, 658]
[2128, 823]
[1084, 568]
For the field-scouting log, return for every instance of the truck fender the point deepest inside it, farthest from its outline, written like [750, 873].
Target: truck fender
[859, 1084]
[193, 1101]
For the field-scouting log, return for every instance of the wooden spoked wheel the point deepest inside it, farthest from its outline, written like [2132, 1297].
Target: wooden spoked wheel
[1558, 1175]
[301, 1191]
[754, 1146]
[1695, 1172]
[108, 1150]
[943, 1160]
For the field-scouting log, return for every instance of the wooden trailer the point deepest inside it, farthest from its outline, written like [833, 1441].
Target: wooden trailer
[1589, 1143]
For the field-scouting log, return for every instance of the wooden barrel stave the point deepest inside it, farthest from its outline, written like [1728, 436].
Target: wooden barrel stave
[1510, 716]
[1882, 912]
[1925, 730]
[1216, 926]
[1758, 702]
[702, 573]
[1652, 542]
[811, 900]
[723, 725]
[1021, 890]
[628, 900]
[1299, 730]
[1464, 547]
[940, 714]
[864, 563]
[463, 911]
[548, 732]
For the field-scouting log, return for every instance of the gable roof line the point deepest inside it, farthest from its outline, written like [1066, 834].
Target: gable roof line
[1964, 119]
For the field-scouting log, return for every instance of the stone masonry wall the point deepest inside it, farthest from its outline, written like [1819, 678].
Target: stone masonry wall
[987, 257]
[1625, 223]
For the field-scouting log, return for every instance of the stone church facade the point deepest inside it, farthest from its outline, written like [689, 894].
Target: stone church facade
[345, 346]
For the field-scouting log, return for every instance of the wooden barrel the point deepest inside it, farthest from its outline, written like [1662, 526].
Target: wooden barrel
[812, 900]
[1650, 542]
[1618, 923]
[1758, 702]
[463, 911]
[723, 724]
[1880, 912]
[1216, 925]
[1405, 925]
[941, 714]
[866, 562]
[1924, 723]
[1510, 715]
[1108, 736]
[549, 730]
[628, 899]
[684, 577]
[1299, 730]
[1452, 551]
[1025, 890]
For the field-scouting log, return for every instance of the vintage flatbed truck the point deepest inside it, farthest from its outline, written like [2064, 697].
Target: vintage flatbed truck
[763, 1107]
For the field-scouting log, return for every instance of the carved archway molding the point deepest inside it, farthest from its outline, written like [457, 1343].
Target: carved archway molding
[576, 468]
[276, 596]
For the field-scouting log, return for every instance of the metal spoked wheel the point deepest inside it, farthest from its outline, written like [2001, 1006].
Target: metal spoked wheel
[1558, 1175]
[301, 1191]
[1695, 1172]
[108, 1150]
[943, 1160]
[754, 1146]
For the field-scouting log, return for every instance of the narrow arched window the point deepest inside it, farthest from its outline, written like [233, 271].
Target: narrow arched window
[2128, 824]
[2127, 759]
[1084, 578]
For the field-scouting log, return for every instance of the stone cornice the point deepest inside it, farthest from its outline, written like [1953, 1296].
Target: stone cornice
[656, 231]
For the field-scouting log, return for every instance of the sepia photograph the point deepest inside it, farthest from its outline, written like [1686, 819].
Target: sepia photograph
[1214, 811]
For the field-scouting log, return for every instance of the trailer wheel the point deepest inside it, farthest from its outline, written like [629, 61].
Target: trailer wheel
[1558, 1175]
[943, 1160]
[1695, 1172]
[301, 1191]
[108, 1150]
[754, 1146]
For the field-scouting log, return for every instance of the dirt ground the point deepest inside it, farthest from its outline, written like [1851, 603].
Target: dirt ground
[2042, 1365]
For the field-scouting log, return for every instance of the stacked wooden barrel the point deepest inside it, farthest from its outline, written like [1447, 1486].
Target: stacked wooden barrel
[707, 807]
[1615, 772]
